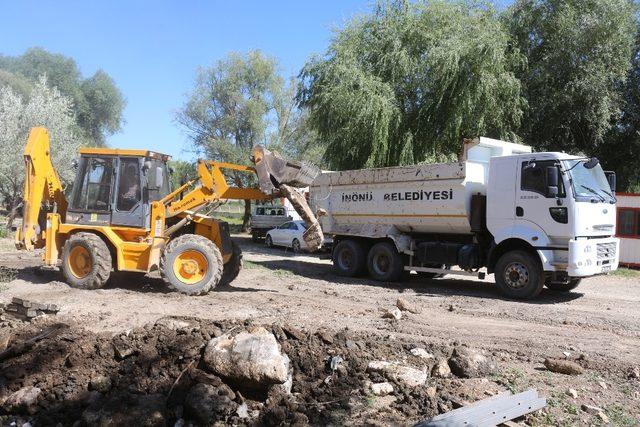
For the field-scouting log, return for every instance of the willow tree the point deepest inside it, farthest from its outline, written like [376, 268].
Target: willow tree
[411, 80]
[578, 58]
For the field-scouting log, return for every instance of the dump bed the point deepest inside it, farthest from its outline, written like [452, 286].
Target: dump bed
[426, 198]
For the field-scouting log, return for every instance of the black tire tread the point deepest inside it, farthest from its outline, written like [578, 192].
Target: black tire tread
[232, 268]
[206, 245]
[359, 254]
[536, 275]
[102, 261]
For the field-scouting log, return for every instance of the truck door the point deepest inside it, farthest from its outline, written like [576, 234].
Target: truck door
[535, 205]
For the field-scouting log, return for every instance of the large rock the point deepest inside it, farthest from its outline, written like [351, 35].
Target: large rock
[208, 404]
[399, 373]
[470, 363]
[563, 366]
[251, 359]
[441, 369]
[23, 400]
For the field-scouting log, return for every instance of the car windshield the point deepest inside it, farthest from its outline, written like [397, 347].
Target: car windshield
[589, 183]
[302, 225]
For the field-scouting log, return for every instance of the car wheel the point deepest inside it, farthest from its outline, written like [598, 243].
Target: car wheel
[295, 245]
[268, 241]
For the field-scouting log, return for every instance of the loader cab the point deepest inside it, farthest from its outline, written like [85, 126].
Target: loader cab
[115, 187]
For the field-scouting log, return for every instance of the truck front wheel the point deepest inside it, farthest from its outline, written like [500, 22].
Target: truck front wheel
[563, 286]
[349, 258]
[519, 275]
[385, 263]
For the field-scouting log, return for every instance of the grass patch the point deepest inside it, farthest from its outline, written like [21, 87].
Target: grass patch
[515, 379]
[619, 416]
[626, 272]
[3, 232]
[250, 265]
[283, 273]
[7, 274]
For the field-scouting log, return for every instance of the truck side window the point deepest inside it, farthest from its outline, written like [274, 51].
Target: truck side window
[129, 192]
[534, 178]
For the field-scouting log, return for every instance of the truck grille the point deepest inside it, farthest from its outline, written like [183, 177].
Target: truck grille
[606, 250]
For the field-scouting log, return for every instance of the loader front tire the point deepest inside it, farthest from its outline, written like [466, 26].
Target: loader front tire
[191, 264]
[233, 266]
[86, 261]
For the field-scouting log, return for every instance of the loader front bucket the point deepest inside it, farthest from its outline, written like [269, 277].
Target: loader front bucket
[278, 176]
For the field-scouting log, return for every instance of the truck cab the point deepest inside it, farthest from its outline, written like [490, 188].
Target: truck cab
[562, 205]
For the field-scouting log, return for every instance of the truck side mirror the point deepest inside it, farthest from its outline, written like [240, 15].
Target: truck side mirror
[552, 181]
[611, 178]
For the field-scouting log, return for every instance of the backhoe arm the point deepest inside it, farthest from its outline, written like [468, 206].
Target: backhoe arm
[41, 186]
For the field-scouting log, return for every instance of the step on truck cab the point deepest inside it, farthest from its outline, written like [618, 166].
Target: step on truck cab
[532, 219]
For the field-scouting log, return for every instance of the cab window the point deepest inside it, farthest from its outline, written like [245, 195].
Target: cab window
[534, 177]
[129, 192]
[95, 179]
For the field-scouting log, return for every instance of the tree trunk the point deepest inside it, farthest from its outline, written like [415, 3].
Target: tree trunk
[247, 215]
[15, 209]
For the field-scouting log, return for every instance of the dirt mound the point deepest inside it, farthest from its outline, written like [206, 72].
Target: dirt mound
[155, 373]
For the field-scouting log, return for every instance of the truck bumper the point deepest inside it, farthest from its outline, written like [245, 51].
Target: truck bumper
[588, 257]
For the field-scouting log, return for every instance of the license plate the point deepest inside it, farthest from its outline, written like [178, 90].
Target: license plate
[606, 268]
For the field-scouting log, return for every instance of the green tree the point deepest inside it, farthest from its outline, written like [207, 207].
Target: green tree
[181, 172]
[238, 103]
[410, 81]
[97, 101]
[44, 107]
[578, 55]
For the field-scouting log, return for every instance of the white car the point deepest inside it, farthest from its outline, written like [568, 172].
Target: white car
[288, 235]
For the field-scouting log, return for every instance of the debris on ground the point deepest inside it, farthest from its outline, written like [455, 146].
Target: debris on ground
[28, 310]
[393, 313]
[183, 371]
[405, 305]
[563, 366]
[471, 363]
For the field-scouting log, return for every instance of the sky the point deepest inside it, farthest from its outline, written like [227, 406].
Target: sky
[153, 49]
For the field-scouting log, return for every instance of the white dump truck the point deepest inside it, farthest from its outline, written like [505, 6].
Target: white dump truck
[532, 219]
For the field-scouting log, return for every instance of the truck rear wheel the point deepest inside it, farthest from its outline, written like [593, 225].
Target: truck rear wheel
[519, 275]
[86, 261]
[191, 264]
[349, 258]
[563, 286]
[233, 266]
[385, 263]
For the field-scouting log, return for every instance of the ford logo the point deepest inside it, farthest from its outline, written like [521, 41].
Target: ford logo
[605, 211]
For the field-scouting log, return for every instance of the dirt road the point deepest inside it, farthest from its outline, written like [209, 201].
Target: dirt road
[599, 321]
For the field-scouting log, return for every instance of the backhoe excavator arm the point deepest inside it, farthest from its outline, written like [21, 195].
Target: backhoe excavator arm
[41, 186]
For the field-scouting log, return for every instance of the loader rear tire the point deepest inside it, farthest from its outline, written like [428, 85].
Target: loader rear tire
[233, 266]
[86, 261]
[191, 264]
[349, 258]
[385, 263]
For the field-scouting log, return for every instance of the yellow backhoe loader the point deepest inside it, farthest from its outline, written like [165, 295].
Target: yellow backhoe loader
[122, 214]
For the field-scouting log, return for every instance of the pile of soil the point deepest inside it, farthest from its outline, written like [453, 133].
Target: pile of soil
[154, 375]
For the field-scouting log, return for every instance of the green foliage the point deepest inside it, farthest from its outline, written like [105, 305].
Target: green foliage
[411, 80]
[182, 172]
[97, 101]
[578, 55]
[3, 232]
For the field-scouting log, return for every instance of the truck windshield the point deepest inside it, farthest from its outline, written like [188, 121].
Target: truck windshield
[588, 183]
